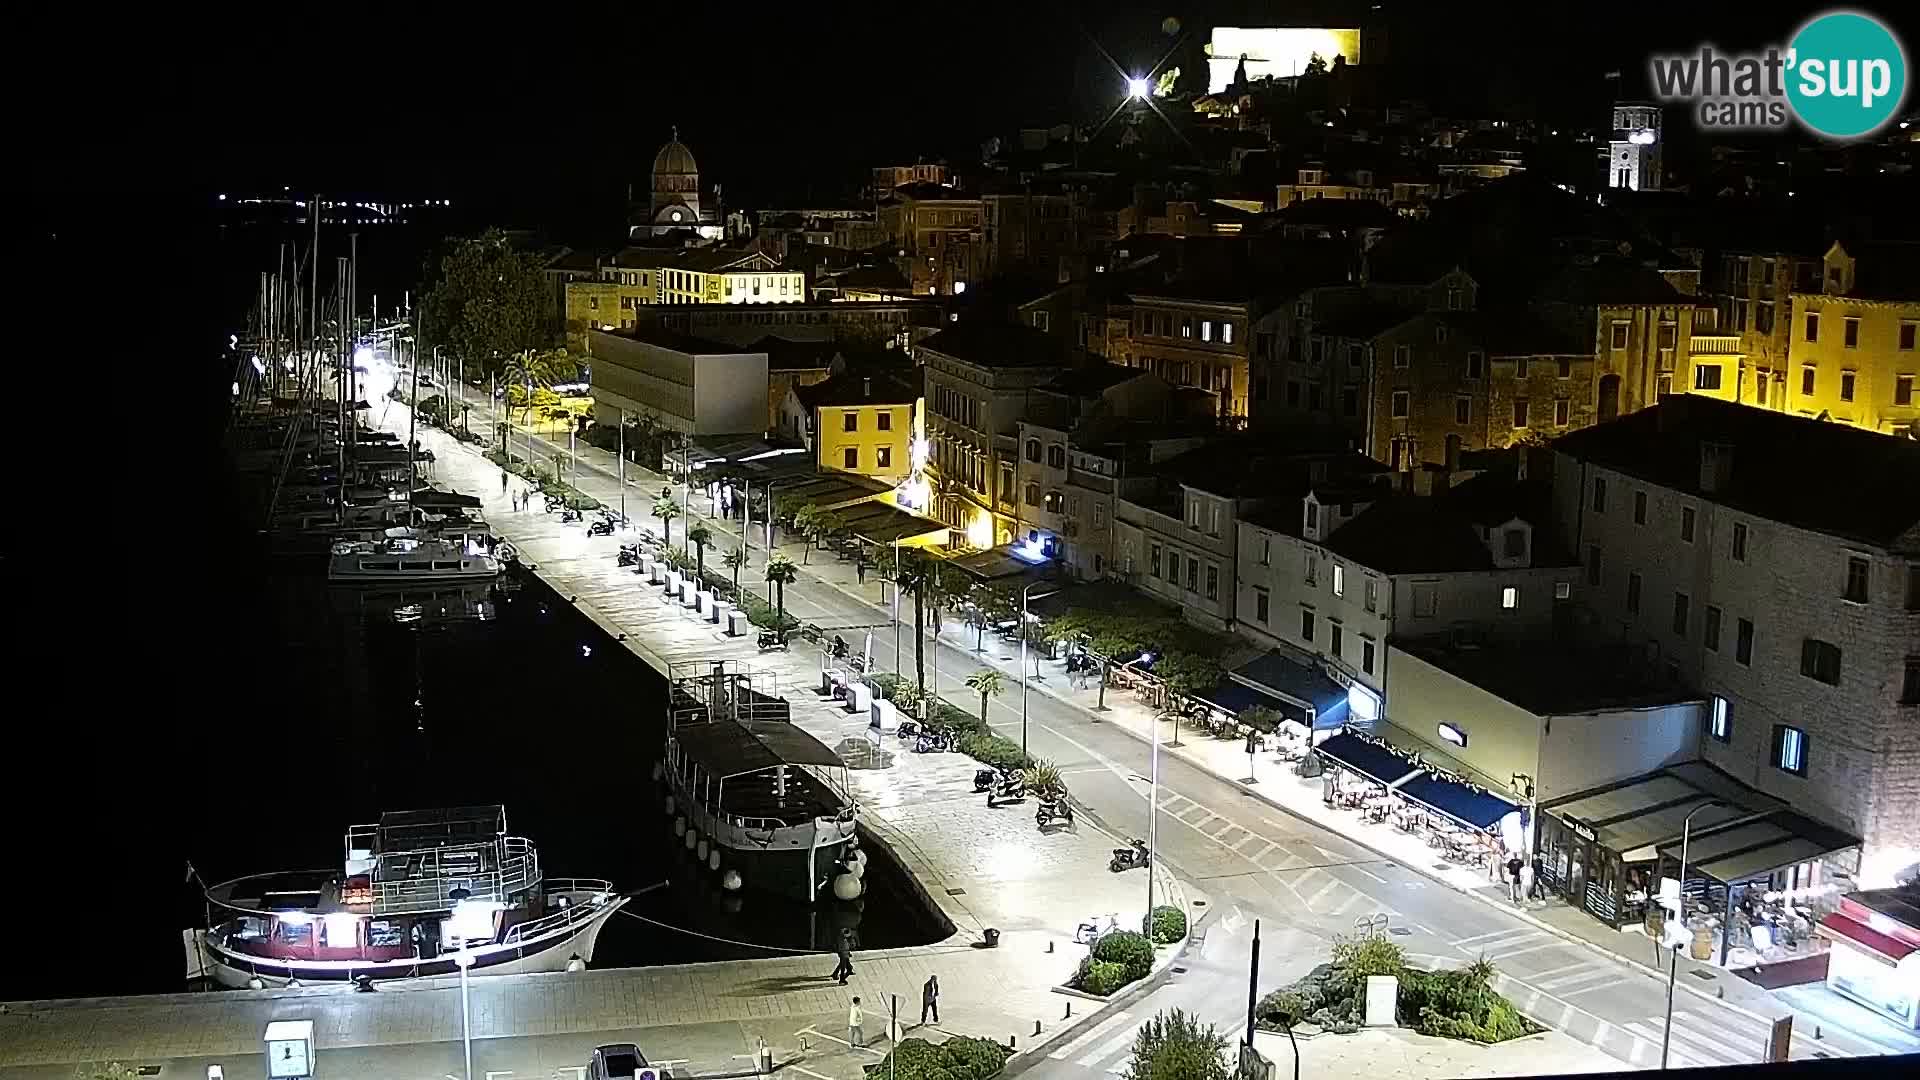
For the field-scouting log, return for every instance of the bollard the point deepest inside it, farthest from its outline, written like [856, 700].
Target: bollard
[1816, 1032]
[764, 1059]
[1069, 1015]
[1036, 1029]
[1013, 1042]
[1049, 945]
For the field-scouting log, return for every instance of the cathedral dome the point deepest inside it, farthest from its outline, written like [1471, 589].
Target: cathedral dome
[674, 159]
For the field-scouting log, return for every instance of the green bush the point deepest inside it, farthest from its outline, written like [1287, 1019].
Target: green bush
[956, 1059]
[1372, 954]
[1001, 753]
[975, 1058]
[884, 684]
[760, 613]
[1100, 977]
[1169, 924]
[1127, 948]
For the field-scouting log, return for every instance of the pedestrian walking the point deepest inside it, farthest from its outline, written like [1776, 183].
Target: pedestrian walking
[860, 571]
[503, 481]
[1514, 863]
[845, 967]
[930, 999]
[856, 1020]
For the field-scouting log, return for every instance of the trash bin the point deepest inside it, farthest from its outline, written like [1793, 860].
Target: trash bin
[992, 936]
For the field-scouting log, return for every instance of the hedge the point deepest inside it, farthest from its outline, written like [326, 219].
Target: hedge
[1124, 947]
[971, 737]
[1450, 1004]
[1101, 977]
[959, 1058]
[1169, 924]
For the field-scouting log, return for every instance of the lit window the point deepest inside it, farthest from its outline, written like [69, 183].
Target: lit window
[1720, 721]
[1339, 580]
[1790, 749]
[1509, 598]
[1226, 333]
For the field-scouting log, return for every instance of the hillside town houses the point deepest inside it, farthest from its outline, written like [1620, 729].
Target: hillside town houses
[1575, 481]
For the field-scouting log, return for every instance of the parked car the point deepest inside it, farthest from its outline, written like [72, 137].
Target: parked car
[616, 1061]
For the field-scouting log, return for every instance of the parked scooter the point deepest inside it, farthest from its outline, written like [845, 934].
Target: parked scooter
[910, 729]
[1130, 857]
[1010, 787]
[983, 779]
[630, 554]
[771, 640]
[1052, 809]
[604, 525]
[569, 515]
[932, 741]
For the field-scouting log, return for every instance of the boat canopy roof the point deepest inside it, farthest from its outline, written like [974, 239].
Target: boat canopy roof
[432, 497]
[729, 748]
[419, 830]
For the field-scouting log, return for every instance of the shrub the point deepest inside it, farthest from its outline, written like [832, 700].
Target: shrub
[760, 613]
[884, 684]
[1100, 977]
[1373, 954]
[1128, 948]
[1001, 753]
[1176, 1046]
[1169, 924]
[975, 1058]
[956, 1059]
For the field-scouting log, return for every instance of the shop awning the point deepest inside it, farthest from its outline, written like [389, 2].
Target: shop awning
[1883, 947]
[1776, 841]
[1371, 760]
[1233, 697]
[1310, 689]
[1475, 809]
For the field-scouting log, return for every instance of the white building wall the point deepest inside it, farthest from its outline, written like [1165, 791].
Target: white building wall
[1589, 750]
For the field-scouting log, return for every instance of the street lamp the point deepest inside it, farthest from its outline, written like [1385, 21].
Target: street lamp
[1023, 662]
[1680, 916]
[1138, 88]
[1153, 822]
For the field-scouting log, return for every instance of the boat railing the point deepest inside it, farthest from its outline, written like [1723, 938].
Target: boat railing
[566, 916]
[432, 888]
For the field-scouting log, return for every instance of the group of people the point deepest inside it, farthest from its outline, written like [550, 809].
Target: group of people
[1520, 879]
[856, 1016]
[522, 498]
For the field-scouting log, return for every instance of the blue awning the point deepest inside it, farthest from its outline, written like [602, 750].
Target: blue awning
[1375, 762]
[1233, 698]
[1474, 809]
[1307, 689]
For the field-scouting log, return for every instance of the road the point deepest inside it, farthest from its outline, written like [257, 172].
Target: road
[1303, 881]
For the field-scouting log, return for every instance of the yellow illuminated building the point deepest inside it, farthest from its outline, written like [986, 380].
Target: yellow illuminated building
[859, 423]
[1852, 354]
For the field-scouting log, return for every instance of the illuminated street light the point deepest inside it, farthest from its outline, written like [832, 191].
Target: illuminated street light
[1138, 88]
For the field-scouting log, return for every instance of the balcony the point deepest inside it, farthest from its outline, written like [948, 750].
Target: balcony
[1715, 345]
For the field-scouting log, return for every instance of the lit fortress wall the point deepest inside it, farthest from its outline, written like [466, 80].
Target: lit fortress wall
[1277, 51]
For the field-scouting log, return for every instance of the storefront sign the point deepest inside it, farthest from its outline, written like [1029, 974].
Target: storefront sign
[1581, 830]
[1453, 734]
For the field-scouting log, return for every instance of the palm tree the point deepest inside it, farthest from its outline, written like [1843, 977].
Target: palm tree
[781, 571]
[530, 370]
[988, 683]
[666, 510]
[916, 575]
[806, 521]
[734, 560]
[700, 536]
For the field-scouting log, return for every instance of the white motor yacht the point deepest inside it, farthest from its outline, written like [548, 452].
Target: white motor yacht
[406, 555]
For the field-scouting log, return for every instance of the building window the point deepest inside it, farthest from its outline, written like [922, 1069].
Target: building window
[1520, 367]
[1306, 624]
[1639, 508]
[1720, 720]
[1476, 364]
[1509, 598]
[1514, 543]
[1743, 642]
[1260, 605]
[1686, 524]
[1807, 376]
[1599, 494]
[1682, 612]
[1813, 326]
[851, 457]
[1856, 587]
[1846, 385]
[1366, 656]
[1706, 376]
[1153, 561]
[1334, 635]
[1206, 329]
[1739, 541]
[850, 421]
[1633, 593]
[1056, 457]
[1711, 634]
[1213, 582]
[1426, 600]
[1193, 574]
[1562, 412]
[1619, 336]
[1403, 356]
[1372, 593]
[1266, 551]
[1226, 332]
[1593, 564]
[1565, 370]
[1790, 749]
[1462, 410]
[1519, 412]
[1903, 390]
[884, 421]
[1339, 580]
[1913, 586]
[1850, 332]
[1910, 683]
[1820, 661]
[1313, 570]
[883, 457]
[1033, 494]
[1350, 401]
[1033, 451]
[1186, 327]
[1402, 405]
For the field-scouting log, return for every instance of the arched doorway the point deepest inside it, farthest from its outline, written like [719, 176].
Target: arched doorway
[1609, 403]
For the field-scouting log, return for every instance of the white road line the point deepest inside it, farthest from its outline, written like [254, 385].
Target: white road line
[1088, 1036]
[1550, 976]
[1254, 836]
[804, 1069]
[1109, 1048]
[1518, 933]
[1733, 1052]
[1605, 984]
[1367, 872]
[1332, 883]
[1508, 954]
[1677, 1055]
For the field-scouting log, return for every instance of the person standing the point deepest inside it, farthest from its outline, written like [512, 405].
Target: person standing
[1514, 863]
[930, 999]
[856, 1020]
[503, 481]
[845, 967]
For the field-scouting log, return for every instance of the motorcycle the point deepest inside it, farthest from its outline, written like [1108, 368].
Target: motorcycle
[569, 515]
[1052, 809]
[1130, 857]
[602, 527]
[771, 640]
[839, 647]
[983, 779]
[932, 741]
[909, 729]
[629, 554]
[554, 502]
[1011, 787]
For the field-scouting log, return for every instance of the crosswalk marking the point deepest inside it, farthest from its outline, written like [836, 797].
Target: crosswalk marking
[1595, 987]
[1517, 933]
[1110, 1047]
[1676, 1054]
[1504, 953]
[1332, 884]
[1263, 851]
[1089, 1035]
[1551, 976]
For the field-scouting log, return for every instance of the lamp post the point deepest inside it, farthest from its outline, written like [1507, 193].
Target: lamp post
[623, 466]
[1153, 822]
[896, 606]
[1680, 916]
[464, 960]
[1023, 665]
